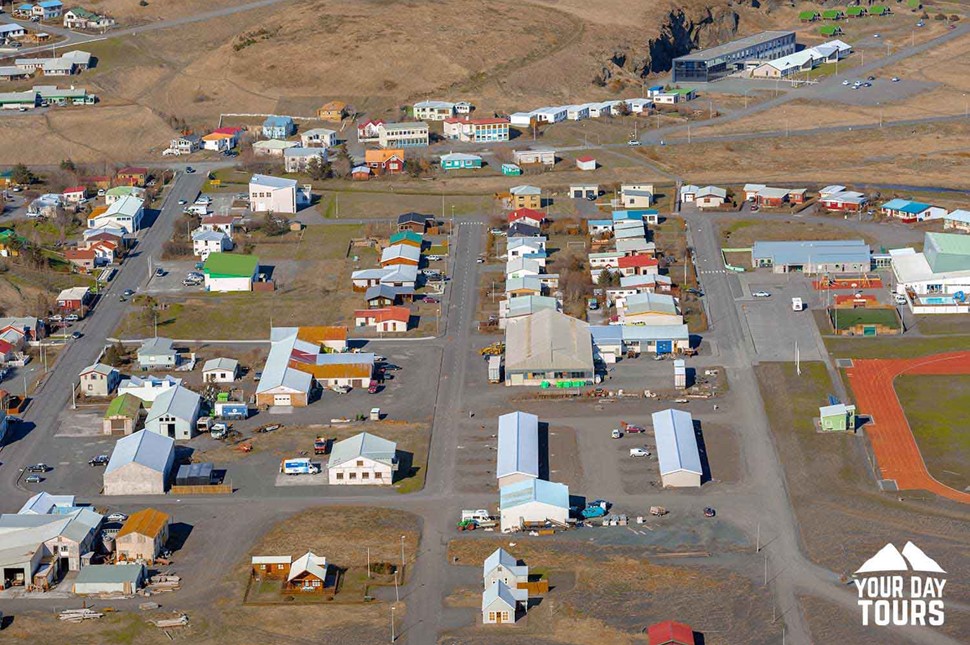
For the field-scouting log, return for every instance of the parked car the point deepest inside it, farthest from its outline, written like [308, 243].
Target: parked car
[340, 389]
[33, 479]
[71, 318]
[480, 260]
[431, 301]
[895, 79]
[633, 142]
[76, 335]
[434, 258]
[639, 452]
[128, 293]
[38, 468]
[634, 429]
[183, 202]
[761, 294]
[372, 388]
[116, 517]
[189, 170]
[159, 273]
[845, 82]
[100, 460]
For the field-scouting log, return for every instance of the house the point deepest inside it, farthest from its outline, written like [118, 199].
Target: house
[533, 501]
[380, 295]
[601, 109]
[769, 197]
[174, 413]
[535, 156]
[12, 30]
[47, 9]
[271, 567]
[489, 130]
[650, 309]
[813, 257]
[230, 271]
[384, 319]
[99, 380]
[319, 137]
[125, 213]
[459, 161]
[299, 159]
[415, 222]
[272, 194]
[148, 388]
[132, 176]
[548, 347]
[523, 197]
[524, 306]
[74, 194]
[360, 173]
[527, 216]
[120, 192]
[511, 170]
[957, 220]
[400, 254]
[223, 223]
[710, 197]
[669, 632]
[143, 536]
[368, 131]
[586, 163]
[399, 276]
[626, 229]
[577, 112]
[186, 144]
[206, 242]
[40, 547]
[273, 147]
[12, 73]
[282, 383]
[122, 415]
[522, 229]
[518, 448]
[909, 211]
[307, 574]
[433, 110]
[837, 198]
[518, 247]
[157, 352]
[74, 300]
[550, 114]
[389, 161]
[637, 265]
[523, 286]
[500, 604]
[218, 141]
[521, 267]
[522, 119]
[636, 195]
[125, 579]
[332, 111]
[47, 504]
[363, 459]
[140, 464]
[278, 127]
[939, 277]
[837, 417]
[220, 370]
[407, 237]
[677, 452]
[638, 106]
[403, 135]
[501, 566]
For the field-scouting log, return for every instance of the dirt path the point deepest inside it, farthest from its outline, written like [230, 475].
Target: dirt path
[892, 439]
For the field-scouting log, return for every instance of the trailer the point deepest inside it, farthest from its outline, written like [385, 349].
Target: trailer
[494, 369]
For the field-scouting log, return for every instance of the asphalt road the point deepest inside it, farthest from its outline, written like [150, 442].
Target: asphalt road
[40, 419]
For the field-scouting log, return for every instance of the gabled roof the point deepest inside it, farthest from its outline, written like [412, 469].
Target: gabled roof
[417, 218]
[268, 181]
[45, 504]
[143, 447]
[711, 191]
[518, 444]
[363, 445]
[147, 521]
[548, 340]
[407, 236]
[525, 190]
[534, 490]
[382, 156]
[636, 261]
[156, 346]
[98, 368]
[126, 405]
[526, 213]
[178, 402]
[401, 251]
[658, 303]
[501, 557]
[521, 229]
[221, 364]
[311, 563]
[677, 450]
[498, 592]
[669, 632]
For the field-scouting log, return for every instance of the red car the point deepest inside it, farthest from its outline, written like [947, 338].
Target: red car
[431, 301]
[635, 429]
[372, 389]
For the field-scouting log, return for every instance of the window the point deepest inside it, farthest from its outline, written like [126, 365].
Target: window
[263, 567]
[378, 475]
[365, 476]
[340, 476]
[491, 616]
[353, 475]
[360, 463]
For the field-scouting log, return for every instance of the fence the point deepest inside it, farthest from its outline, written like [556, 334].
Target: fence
[212, 489]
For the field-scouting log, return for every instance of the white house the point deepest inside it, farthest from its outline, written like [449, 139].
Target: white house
[174, 413]
[521, 119]
[124, 213]
[501, 566]
[433, 110]
[551, 114]
[272, 194]
[710, 197]
[319, 137]
[99, 380]
[147, 388]
[500, 604]
[521, 267]
[220, 370]
[299, 159]
[636, 195]
[688, 192]
[519, 247]
[205, 242]
[577, 112]
[363, 459]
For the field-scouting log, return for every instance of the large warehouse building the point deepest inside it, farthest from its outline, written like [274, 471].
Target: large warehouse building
[710, 64]
[677, 453]
[518, 448]
[813, 257]
[547, 348]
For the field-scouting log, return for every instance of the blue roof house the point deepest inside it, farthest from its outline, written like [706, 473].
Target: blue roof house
[278, 127]
[48, 9]
[905, 210]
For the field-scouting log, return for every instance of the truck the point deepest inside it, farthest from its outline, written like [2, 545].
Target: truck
[321, 445]
[797, 304]
[494, 369]
[298, 466]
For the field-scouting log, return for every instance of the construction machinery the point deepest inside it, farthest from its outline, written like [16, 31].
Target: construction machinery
[495, 349]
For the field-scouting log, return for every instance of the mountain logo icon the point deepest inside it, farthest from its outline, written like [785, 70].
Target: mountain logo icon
[889, 558]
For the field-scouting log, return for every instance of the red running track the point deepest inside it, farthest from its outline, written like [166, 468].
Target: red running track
[892, 439]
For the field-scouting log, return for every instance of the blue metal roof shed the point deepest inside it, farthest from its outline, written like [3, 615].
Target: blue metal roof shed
[677, 453]
[518, 447]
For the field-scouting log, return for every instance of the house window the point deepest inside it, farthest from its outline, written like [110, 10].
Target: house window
[491, 616]
[65, 548]
[353, 475]
[340, 476]
[360, 463]
[316, 583]
[263, 567]
[365, 476]
[378, 475]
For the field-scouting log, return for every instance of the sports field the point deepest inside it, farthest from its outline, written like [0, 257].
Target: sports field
[897, 452]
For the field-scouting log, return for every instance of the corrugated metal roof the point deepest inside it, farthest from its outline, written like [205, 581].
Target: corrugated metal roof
[143, 447]
[178, 402]
[498, 592]
[812, 252]
[110, 573]
[650, 333]
[147, 521]
[363, 445]
[518, 444]
[505, 559]
[534, 490]
[548, 340]
[268, 181]
[673, 430]
[227, 364]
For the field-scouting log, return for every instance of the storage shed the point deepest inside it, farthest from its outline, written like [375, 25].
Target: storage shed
[140, 465]
[194, 474]
[677, 452]
[109, 578]
[533, 501]
[518, 448]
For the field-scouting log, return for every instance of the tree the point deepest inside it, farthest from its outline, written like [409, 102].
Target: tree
[115, 355]
[21, 174]
[318, 169]
[273, 225]
[68, 166]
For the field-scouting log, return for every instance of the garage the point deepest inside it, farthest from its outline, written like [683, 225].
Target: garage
[281, 399]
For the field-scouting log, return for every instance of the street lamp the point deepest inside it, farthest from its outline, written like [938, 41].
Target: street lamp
[402, 552]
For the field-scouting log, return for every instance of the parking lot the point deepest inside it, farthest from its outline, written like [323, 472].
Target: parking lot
[883, 91]
[774, 326]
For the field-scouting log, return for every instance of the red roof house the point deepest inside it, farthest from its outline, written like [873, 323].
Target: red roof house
[527, 216]
[74, 194]
[83, 259]
[637, 265]
[230, 130]
[384, 319]
[586, 163]
[670, 633]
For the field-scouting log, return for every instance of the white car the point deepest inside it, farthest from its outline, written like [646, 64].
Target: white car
[639, 452]
[434, 258]
[633, 142]
[761, 294]
[845, 82]
[895, 79]
[116, 517]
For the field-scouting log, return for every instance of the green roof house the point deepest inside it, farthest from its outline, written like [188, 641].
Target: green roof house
[837, 418]
[230, 272]
[407, 237]
[879, 10]
[855, 12]
[808, 16]
[830, 30]
[122, 415]
[460, 160]
[833, 14]
[511, 170]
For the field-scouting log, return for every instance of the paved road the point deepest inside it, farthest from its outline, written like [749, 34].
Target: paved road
[40, 419]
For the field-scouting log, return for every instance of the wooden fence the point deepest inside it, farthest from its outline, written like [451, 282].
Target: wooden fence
[212, 489]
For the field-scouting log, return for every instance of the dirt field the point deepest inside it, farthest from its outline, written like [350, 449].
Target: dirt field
[744, 233]
[831, 486]
[585, 606]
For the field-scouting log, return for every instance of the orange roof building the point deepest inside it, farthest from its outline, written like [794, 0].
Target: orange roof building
[143, 536]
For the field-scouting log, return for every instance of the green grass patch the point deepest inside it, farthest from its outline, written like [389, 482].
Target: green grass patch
[936, 407]
[894, 346]
[940, 324]
[847, 318]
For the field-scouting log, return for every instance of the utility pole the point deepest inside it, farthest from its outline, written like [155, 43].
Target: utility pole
[757, 548]
[766, 570]
[402, 552]
[798, 363]
[392, 624]
[397, 595]
[368, 563]
[73, 397]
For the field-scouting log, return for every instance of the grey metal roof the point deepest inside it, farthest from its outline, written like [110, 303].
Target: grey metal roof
[110, 573]
[734, 45]
[272, 182]
[641, 333]
[650, 303]
[276, 371]
[526, 305]
[179, 402]
[498, 592]
[505, 559]
[534, 490]
[156, 347]
[548, 340]
[677, 451]
[227, 364]
[143, 447]
[518, 444]
[363, 445]
[812, 252]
